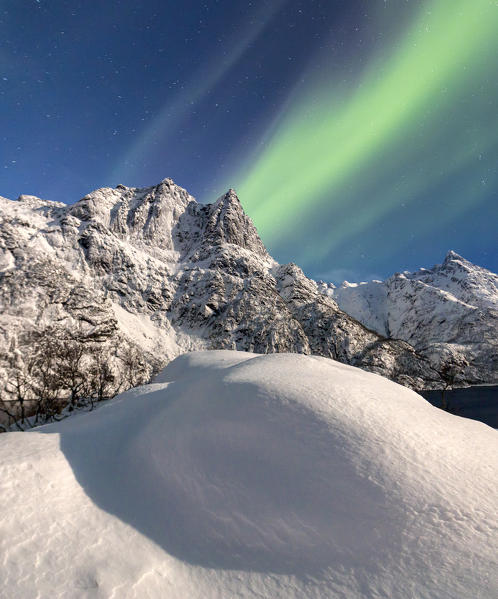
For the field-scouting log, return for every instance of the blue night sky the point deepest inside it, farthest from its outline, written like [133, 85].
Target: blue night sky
[361, 136]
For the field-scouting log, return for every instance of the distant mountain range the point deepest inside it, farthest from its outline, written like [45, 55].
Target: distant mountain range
[170, 275]
[448, 310]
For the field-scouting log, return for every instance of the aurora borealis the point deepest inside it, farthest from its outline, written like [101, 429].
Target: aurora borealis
[361, 136]
[412, 123]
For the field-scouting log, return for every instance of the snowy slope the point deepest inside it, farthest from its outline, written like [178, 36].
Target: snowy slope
[451, 308]
[237, 475]
[156, 268]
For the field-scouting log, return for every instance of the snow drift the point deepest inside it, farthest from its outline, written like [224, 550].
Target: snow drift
[238, 475]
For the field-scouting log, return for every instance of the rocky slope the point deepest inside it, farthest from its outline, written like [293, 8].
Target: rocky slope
[153, 266]
[449, 311]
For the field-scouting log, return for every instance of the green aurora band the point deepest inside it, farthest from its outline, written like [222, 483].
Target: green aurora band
[420, 117]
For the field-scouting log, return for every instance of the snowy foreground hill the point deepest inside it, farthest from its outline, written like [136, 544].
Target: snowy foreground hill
[242, 475]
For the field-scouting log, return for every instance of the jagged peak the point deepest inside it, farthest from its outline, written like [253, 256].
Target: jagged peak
[166, 182]
[28, 199]
[114, 195]
[454, 261]
[35, 202]
[451, 255]
[228, 223]
[228, 198]
[290, 267]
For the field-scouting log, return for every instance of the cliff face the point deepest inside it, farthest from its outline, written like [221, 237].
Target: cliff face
[153, 266]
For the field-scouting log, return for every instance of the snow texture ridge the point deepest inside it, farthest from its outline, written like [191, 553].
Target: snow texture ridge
[171, 275]
[238, 475]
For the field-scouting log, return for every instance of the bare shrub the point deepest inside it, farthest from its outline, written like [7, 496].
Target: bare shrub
[56, 370]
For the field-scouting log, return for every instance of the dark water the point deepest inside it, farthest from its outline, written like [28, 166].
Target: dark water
[479, 402]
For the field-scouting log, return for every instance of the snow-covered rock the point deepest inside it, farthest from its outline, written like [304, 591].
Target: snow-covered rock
[155, 267]
[450, 309]
[237, 475]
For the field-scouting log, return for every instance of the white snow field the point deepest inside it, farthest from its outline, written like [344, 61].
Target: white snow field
[236, 475]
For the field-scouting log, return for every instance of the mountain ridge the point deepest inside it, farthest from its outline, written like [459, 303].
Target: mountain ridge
[171, 275]
[450, 309]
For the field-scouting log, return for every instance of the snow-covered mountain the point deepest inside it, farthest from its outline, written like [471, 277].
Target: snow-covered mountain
[154, 266]
[236, 475]
[450, 309]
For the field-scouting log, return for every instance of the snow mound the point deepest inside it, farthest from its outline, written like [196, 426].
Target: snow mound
[237, 475]
[201, 363]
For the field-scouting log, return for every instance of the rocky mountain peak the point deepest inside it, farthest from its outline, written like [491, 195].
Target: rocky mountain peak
[29, 199]
[451, 255]
[166, 217]
[141, 215]
[450, 309]
[228, 223]
[228, 198]
[35, 202]
[454, 261]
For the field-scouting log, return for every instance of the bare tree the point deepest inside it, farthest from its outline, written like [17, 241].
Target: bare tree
[450, 372]
[70, 370]
[136, 371]
[103, 382]
[16, 400]
[61, 369]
